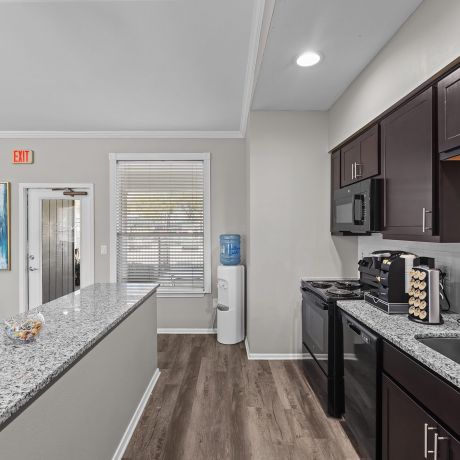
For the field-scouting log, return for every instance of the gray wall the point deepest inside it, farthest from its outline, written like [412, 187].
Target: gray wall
[86, 160]
[427, 42]
[289, 196]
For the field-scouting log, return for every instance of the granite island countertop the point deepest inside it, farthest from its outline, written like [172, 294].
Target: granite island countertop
[403, 333]
[74, 324]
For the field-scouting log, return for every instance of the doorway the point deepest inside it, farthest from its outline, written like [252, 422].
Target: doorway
[58, 231]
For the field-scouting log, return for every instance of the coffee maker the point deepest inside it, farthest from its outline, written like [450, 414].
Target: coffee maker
[387, 273]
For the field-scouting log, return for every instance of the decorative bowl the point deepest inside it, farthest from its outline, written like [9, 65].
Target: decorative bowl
[24, 331]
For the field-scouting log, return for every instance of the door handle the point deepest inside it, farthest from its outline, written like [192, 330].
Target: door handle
[360, 170]
[424, 213]
[32, 269]
[426, 429]
[436, 439]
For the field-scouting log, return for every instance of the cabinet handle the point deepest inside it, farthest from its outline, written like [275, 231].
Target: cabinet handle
[436, 439]
[425, 450]
[424, 213]
[360, 170]
[352, 171]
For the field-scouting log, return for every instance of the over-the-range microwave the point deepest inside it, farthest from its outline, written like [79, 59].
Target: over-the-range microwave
[357, 208]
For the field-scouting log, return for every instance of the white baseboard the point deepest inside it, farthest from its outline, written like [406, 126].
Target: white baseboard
[274, 356]
[136, 417]
[186, 330]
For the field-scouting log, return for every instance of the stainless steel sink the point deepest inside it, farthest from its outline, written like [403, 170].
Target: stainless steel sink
[447, 346]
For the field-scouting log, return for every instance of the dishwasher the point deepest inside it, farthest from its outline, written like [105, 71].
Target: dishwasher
[362, 383]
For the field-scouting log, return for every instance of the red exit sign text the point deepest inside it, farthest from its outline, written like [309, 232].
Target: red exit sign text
[23, 157]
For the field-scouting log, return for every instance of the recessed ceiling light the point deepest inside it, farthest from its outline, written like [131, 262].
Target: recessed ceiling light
[308, 59]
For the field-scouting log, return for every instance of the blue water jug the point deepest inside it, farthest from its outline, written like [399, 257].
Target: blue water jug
[230, 249]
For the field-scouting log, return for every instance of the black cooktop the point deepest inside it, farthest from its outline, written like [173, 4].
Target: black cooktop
[335, 289]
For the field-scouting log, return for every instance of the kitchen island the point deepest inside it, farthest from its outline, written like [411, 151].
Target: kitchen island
[76, 392]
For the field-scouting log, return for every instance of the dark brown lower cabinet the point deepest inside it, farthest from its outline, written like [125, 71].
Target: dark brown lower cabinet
[409, 432]
[403, 428]
[448, 446]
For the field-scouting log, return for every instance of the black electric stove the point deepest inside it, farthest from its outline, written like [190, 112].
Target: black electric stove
[322, 338]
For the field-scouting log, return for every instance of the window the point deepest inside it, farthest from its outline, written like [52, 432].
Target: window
[161, 221]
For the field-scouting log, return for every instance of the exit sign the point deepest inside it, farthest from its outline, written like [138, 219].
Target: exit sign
[23, 157]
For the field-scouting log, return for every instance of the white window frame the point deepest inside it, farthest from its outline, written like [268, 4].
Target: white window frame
[206, 158]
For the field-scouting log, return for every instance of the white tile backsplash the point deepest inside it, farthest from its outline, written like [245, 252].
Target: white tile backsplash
[446, 255]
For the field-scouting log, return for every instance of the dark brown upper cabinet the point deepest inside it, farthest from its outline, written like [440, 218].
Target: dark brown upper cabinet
[360, 158]
[335, 178]
[409, 171]
[335, 171]
[449, 112]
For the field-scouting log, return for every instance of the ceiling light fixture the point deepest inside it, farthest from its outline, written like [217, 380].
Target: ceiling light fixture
[308, 59]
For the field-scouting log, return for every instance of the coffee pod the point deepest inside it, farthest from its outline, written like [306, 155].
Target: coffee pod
[422, 285]
[422, 275]
[422, 305]
[423, 314]
[417, 312]
[411, 310]
[422, 295]
[411, 301]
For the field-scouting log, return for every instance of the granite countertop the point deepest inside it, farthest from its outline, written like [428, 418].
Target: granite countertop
[403, 333]
[73, 325]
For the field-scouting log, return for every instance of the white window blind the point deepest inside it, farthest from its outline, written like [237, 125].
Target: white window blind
[161, 208]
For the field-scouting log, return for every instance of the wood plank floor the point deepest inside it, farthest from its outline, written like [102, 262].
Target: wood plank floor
[210, 402]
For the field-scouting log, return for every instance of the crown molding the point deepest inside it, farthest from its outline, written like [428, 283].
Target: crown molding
[254, 40]
[121, 135]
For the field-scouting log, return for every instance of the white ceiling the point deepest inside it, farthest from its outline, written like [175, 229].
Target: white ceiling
[348, 33]
[124, 65]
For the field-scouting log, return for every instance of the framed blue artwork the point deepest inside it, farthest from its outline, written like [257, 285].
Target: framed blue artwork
[5, 227]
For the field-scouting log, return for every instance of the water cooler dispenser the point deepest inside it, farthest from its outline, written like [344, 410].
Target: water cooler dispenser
[230, 304]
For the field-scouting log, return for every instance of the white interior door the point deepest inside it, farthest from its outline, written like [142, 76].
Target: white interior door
[59, 258]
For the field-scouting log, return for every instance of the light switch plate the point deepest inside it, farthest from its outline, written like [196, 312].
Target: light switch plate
[103, 250]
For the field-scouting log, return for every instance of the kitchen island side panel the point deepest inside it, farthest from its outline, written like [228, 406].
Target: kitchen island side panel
[84, 414]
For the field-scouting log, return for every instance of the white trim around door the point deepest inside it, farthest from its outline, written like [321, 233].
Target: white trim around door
[23, 239]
